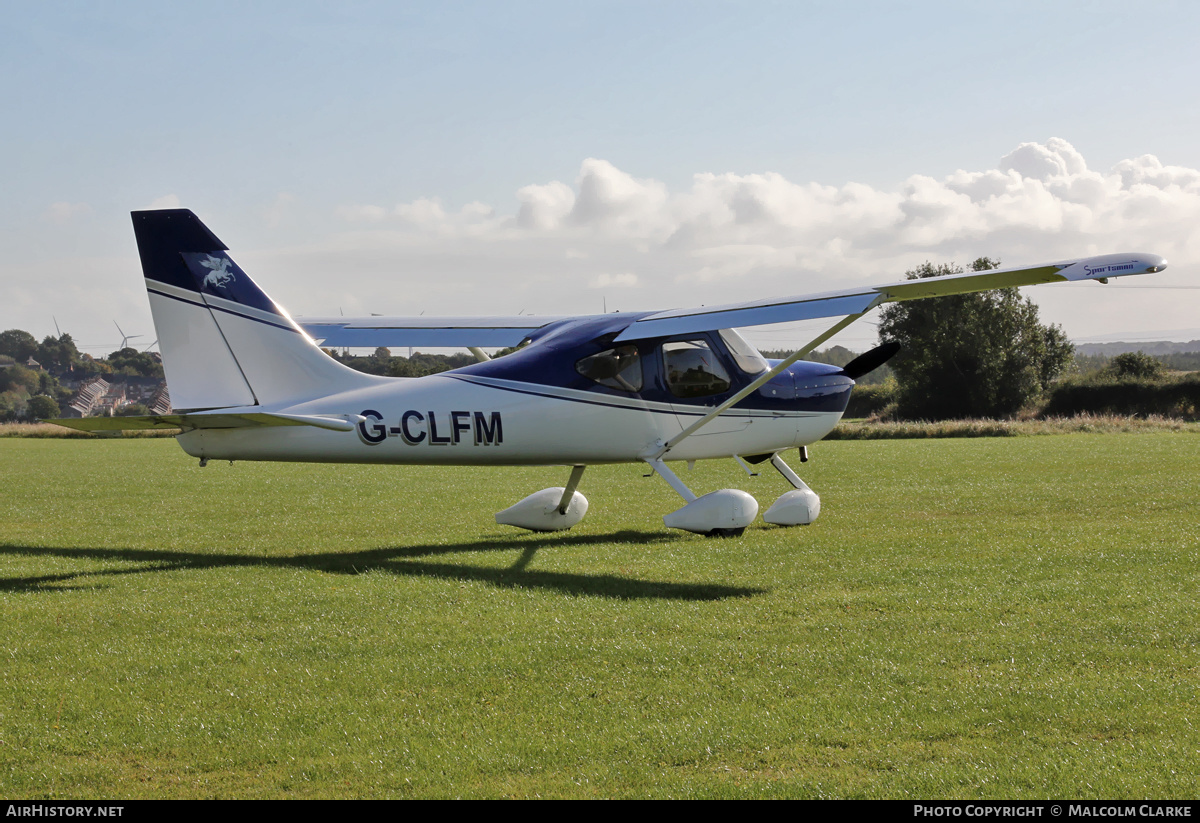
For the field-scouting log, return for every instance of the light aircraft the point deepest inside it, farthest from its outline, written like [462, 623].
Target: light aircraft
[249, 382]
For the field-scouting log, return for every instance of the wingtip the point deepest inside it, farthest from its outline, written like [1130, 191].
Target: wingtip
[1123, 264]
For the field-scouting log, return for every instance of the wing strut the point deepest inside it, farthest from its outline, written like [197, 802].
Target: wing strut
[760, 381]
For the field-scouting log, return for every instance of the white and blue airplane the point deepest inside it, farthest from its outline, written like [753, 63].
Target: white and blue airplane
[249, 382]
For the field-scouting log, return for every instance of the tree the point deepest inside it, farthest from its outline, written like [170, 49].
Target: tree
[1136, 364]
[17, 344]
[970, 355]
[19, 378]
[403, 367]
[58, 354]
[131, 361]
[42, 407]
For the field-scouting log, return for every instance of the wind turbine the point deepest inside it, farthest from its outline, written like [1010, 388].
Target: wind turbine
[125, 338]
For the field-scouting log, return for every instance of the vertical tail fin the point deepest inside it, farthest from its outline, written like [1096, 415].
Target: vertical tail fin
[224, 342]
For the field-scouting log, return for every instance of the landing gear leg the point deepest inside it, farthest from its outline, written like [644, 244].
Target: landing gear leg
[568, 494]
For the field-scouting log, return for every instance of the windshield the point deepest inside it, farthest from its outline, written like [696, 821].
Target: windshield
[747, 357]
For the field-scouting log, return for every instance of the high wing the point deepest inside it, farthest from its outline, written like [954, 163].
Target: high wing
[370, 332]
[449, 332]
[858, 301]
[852, 305]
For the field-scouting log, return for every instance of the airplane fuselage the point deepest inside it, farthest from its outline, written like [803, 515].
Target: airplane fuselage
[464, 419]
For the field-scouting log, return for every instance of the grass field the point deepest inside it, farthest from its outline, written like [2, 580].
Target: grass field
[969, 618]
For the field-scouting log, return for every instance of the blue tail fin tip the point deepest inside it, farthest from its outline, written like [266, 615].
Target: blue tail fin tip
[179, 250]
[161, 236]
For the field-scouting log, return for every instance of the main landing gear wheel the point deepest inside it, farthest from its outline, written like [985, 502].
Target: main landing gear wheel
[550, 510]
[725, 533]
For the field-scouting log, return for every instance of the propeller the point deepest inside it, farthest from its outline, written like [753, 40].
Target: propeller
[870, 361]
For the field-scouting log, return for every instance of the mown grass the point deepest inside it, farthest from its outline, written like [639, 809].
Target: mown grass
[848, 429]
[970, 618]
[871, 429]
[51, 430]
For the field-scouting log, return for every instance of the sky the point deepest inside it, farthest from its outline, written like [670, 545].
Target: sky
[569, 158]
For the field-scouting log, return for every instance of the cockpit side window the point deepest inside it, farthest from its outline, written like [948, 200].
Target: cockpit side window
[746, 356]
[693, 370]
[619, 368]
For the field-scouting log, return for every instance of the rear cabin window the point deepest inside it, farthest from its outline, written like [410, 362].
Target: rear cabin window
[693, 370]
[619, 368]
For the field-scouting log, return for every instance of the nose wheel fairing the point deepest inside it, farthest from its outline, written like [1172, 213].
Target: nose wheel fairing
[799, 507]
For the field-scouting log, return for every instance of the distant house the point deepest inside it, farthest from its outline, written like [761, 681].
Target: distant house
[160, 403]
[86, 399]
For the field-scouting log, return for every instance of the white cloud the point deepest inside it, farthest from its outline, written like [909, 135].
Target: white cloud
[623, 280]
[167, 201]
[426, 213]
[1056, 158]
[726, 237]
[721, 236]
[613, 200]
[362, 214]
[62, 212]
[278, 209]
[1043, 190]
[544, 207]
[424, 216]
[729, 237]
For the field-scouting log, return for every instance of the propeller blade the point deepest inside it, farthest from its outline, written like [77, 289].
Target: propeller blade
[870, 361]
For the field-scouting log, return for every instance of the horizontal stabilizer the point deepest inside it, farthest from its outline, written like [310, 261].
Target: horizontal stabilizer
[209, 420]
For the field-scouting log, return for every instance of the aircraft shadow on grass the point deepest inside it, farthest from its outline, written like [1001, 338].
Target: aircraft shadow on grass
[401, 560]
